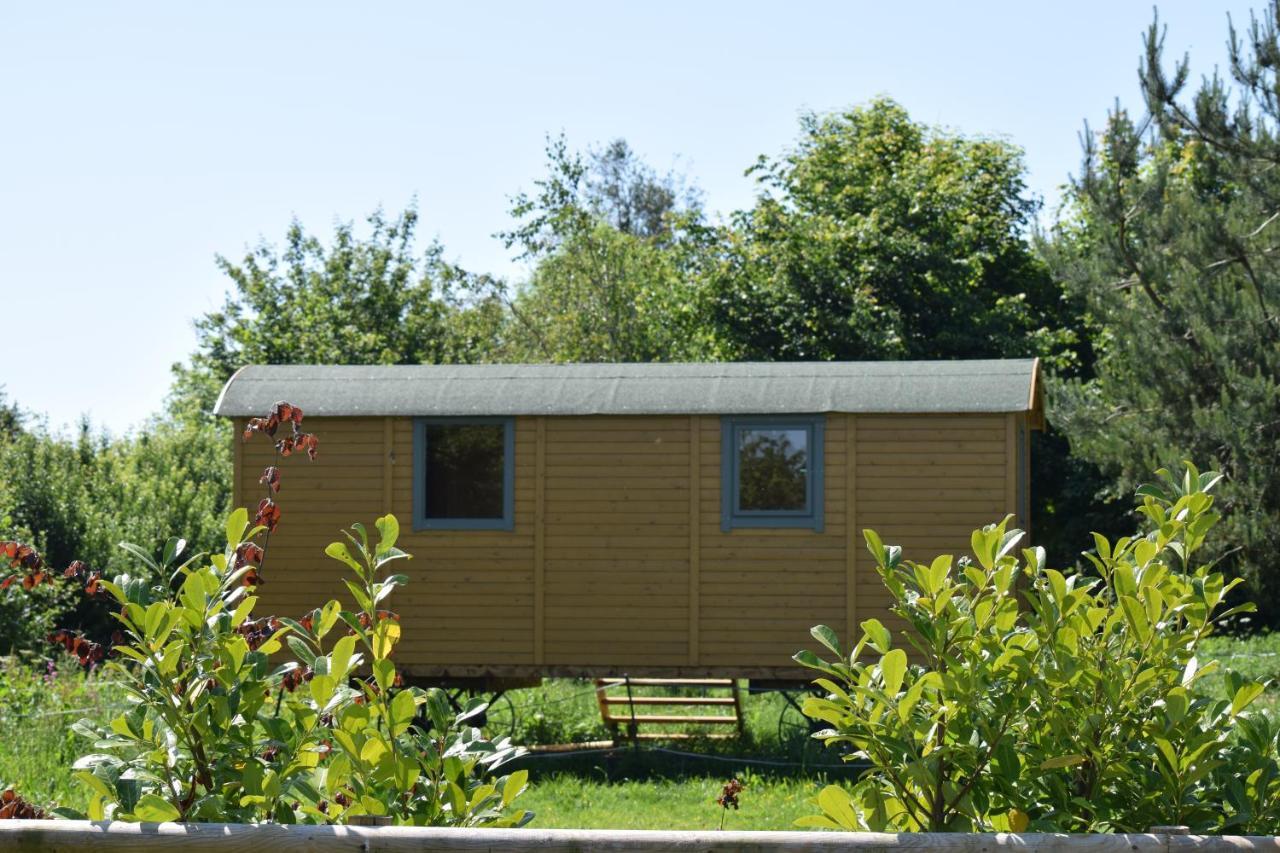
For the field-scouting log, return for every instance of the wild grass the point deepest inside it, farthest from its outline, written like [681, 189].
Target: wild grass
[38, 705]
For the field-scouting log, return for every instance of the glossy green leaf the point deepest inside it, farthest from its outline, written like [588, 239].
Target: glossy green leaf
[881, 639]
[153, 809]
[827, 637]
[388, 533]
[340, 552]
[835, 804]
[893, 667]
[237, 522]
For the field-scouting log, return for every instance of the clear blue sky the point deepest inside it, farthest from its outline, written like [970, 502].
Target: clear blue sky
[141, 139]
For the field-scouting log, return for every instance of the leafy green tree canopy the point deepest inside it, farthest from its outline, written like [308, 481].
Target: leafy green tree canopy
[369, 299]
[613, 249]
[878, 237]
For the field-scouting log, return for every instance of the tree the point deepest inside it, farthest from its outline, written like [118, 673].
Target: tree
[360, 300]
[10, 415]
[613, 248]
[878, 237]
[1172, 243]
[610, 185]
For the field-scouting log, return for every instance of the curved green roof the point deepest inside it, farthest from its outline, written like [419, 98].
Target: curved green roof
[996, 385]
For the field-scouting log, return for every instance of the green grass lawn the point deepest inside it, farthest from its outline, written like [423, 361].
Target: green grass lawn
[665, 785]
[564, 801]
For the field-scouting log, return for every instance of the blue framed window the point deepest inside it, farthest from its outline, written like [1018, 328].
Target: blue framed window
[463, 474]
[771, 471]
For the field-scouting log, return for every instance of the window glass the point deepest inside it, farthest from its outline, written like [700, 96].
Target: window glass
[773, 469]
[464, 476]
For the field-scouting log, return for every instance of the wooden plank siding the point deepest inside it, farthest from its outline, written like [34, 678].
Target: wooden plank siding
[617, 588]
[617, 561]
[925, 482]
[763, 588]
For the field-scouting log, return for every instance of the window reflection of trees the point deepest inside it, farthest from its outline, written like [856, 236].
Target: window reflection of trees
[772, 470]
[465, 470]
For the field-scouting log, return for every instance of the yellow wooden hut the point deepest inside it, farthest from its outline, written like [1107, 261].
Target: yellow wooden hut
[654, 519]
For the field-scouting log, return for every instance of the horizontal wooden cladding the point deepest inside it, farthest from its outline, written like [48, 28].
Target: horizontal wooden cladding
[761, 589]
[607, 468]
[885, 464]
[616, 483]
[619, 423]
[565, 451]
[954, 450]
[616, 542]
[607, 661]
[903, 509]
[762, 577]
[923, 482]
[784, 609]
[917, 468]
[576, 567]
[928, 422]
[470, 596]
[616, 545]
[420, 596]
[660, 519]
[886, 435]
[870, 488]
[757, 546]
[602, 437]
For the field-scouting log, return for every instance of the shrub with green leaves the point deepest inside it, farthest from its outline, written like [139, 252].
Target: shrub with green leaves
[1026, 699]
[220, 729]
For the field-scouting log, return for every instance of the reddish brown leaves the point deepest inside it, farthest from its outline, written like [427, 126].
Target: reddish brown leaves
[258, 631]
[298, 443]
[247, 553]
[260, 425]
[21, 556]
[728, 798]
[268, 515]
[14, 807]
[92, 580]
[382, 615]
[24, 558]
[288, 413]
[281, 413]
[86, 651]
[294, 678]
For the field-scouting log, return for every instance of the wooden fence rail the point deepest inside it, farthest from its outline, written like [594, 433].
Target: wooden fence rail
[88, 837]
